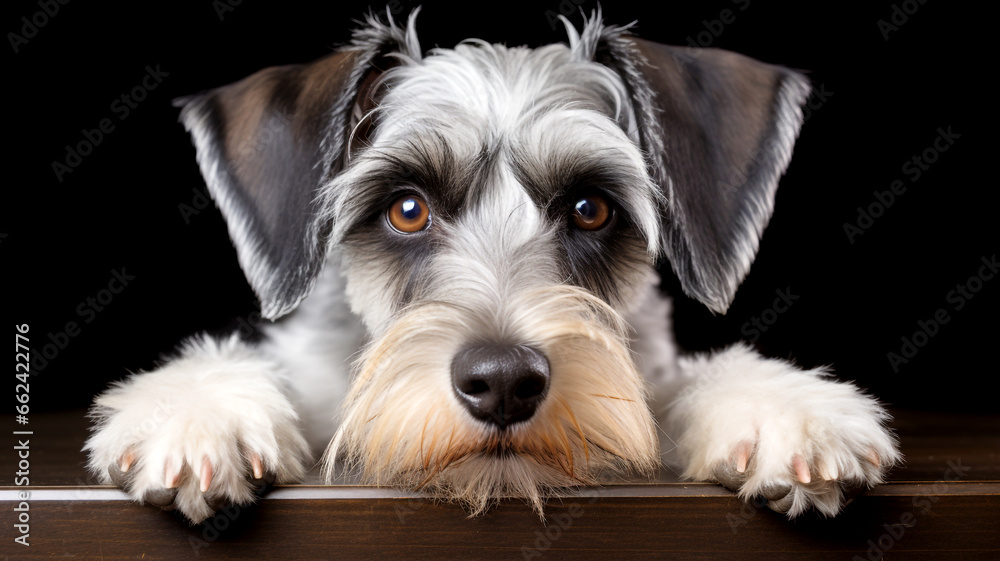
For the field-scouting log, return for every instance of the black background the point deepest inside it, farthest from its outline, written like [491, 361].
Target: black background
[884, 103]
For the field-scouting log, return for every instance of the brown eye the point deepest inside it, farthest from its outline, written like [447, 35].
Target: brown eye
[409, 214]
[591, 213]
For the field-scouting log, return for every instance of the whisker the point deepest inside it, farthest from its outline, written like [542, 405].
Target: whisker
[420, 448]
[579, 430]
[427, 460]
[612, 397]
[566, 446]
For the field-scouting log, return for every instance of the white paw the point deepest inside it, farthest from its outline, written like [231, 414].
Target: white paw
[206, 430]
[765, 428]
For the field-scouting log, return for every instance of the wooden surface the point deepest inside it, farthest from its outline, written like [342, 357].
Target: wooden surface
[943, 504]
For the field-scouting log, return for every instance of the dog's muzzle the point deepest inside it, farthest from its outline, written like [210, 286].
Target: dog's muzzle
[500, 384]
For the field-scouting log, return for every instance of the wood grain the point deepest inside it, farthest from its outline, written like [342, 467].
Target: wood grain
[944, 504]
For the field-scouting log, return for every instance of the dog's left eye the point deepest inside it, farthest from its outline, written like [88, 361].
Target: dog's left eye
[591, 212]
[409, 214]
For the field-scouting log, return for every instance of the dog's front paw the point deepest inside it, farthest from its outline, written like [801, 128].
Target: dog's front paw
[798, 461]
[794, 437]
[207, 430]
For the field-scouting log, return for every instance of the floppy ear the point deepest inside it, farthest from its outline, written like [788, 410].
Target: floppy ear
[265, 146]
[718, 129]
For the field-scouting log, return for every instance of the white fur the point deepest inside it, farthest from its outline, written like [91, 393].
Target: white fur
[546, 102]
[317, 346]
[781, 411]
[494, 273]
[400, 428]
[219, 400]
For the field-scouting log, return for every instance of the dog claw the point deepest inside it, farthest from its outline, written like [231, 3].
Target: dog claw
[827, 470]
[118, 472]
[118, 477]
[127, 460]
[257, 465]
[171, 477]
[801, 469]
[728, 477]
[873, 458]
[743, 456]
[261, 478]
[180, 476]
[206, 474]
[264, 481]
[732, 474]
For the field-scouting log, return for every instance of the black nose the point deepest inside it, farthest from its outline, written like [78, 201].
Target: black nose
[500, 384]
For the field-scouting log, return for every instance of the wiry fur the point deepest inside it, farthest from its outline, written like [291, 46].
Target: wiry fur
[545, 103]
[402, 430]
[498, 141]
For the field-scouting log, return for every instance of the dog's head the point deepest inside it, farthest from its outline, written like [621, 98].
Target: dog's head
[495, 211]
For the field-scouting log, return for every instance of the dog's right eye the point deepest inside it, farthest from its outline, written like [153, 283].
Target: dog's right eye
[409, 214]
[591, 213]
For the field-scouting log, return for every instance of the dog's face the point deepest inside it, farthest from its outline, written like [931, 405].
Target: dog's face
[519, 172]
[495, 212]
[493, 231]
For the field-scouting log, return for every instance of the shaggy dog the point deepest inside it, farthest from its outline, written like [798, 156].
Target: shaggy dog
[461, 245]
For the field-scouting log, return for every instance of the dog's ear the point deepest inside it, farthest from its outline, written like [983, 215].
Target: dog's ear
[268, 143]
[718, 130]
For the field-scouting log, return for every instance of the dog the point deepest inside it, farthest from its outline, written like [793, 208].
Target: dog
[462, 248]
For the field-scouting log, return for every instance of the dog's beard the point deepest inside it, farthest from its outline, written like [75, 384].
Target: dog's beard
[403, 426]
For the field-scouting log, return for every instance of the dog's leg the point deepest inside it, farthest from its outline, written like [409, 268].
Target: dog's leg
[316, 346]
[204, 430]
[763, 427]
[239, 407]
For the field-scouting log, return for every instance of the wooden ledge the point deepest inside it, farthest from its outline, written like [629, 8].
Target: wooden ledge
[943, 504]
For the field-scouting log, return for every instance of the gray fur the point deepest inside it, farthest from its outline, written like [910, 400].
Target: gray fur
[500, 145]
